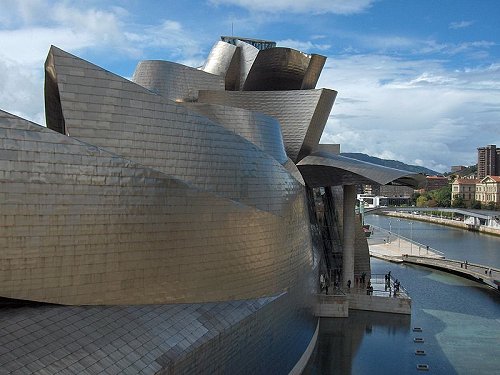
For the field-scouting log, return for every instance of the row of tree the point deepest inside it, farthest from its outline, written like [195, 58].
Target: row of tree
[434, 198]
[442, 198]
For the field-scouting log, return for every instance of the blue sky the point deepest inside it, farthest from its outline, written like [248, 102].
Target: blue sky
[417, 81]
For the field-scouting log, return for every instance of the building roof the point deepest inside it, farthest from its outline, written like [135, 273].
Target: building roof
[327, 169]
[494, 178]
[466, 181]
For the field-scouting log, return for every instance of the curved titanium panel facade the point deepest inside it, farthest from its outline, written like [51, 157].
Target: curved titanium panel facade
[283, 69]
[84, 226]
[175, 81]
[302, 113]
[263, 131]
[128, 120]
[224, 60]
[188, 218]
[326, 169]
[313, 72]
[248, 54]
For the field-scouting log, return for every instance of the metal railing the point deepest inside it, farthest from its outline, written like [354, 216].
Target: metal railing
[385, 236]
[459, 265]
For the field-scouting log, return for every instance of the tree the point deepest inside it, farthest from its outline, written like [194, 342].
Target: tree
[442, 196]
[413, 199]
[432, 203]
[475, 205]
[458, 202]
[490, 206]
[422, 201]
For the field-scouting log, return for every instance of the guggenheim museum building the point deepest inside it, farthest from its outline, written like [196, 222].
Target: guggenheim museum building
[178, 222]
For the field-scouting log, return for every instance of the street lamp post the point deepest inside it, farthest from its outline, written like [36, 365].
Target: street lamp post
[390, 230]
[411, 237]
[399, 234]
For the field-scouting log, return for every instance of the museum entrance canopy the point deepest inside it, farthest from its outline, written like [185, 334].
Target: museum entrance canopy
[327, 169]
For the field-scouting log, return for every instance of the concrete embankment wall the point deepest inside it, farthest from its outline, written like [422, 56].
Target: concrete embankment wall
[441, 221]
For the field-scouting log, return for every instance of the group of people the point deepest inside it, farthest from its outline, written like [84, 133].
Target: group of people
[397, 284]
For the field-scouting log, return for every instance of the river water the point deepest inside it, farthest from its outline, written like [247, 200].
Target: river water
[459, 318]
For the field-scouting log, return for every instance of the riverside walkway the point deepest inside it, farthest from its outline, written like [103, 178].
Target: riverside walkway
[391, 247]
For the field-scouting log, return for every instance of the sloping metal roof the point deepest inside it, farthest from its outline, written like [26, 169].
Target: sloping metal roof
[327, 169]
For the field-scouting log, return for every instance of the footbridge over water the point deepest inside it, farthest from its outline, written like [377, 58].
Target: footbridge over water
[392, 247]
[484, 274]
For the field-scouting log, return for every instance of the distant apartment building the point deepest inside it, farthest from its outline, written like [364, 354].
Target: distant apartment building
[488, 161]
[436, 182]
[457, 168]
[488, 190]
[464, 188]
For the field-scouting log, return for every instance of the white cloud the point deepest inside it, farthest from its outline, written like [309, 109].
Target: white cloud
[303, 6]
[460, 25]
[302, 46]
[28, 28]
[416, 46]
[412, 110]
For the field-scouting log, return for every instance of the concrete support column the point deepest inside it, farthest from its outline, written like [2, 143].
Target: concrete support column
[349, 218]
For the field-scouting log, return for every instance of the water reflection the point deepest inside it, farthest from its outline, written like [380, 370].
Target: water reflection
[339, 340]
[460, 320]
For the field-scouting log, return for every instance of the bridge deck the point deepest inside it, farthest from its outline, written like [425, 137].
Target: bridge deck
[488, 275]
[388, 246]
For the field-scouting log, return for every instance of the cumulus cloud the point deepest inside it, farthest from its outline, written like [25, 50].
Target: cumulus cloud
[303, 6]
[411, 110]
[28, 28]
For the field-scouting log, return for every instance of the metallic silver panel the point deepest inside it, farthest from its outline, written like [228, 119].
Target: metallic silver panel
[248, 54]
[175, 81]
[124, 118]
[332, 148]
[283, 69]
[326, 169]
[313, 72]
[263, 131]
[120, 339]
[81, 225]
[224, 60]
[302, 113]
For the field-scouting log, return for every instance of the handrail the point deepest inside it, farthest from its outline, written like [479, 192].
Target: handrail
[420, 245]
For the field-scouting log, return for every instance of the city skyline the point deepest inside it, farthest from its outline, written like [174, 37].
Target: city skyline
[417, 82]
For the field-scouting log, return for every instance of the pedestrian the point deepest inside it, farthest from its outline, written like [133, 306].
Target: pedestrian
[348, 284]
[363, 277]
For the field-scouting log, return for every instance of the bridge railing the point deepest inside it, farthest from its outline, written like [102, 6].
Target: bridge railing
[383, 235]
[459, 265]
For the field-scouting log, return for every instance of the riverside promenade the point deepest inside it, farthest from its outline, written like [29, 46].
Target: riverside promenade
[393, 248]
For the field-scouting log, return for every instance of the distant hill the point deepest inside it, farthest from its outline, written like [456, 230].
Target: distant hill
[390, 163]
